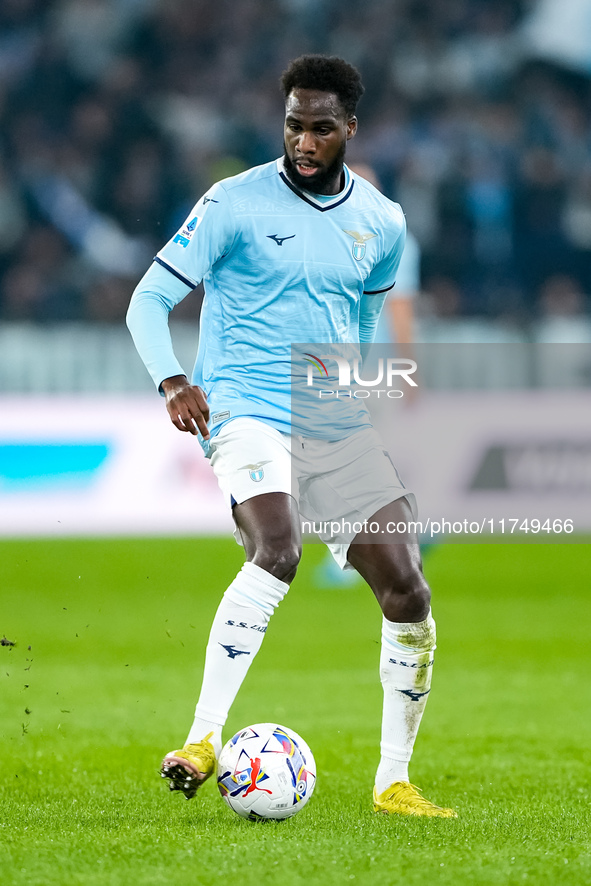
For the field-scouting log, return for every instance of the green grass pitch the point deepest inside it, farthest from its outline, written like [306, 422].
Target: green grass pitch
[104, 675]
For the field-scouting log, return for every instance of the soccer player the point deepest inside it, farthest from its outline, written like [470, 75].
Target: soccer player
[297, 250]
[395, 327]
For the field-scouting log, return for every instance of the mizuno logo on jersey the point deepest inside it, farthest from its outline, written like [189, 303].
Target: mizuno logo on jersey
[359, 244]
[209, 200]
[280, 240]
[255, 472]
[233, 652]
[414, 696]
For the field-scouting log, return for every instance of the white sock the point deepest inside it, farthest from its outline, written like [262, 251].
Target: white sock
[406, 665]
[236, 636]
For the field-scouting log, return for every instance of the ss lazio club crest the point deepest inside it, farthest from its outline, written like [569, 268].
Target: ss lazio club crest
[255, 472]
[360, 241]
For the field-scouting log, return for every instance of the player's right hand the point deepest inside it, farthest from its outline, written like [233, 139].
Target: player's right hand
[186, 405]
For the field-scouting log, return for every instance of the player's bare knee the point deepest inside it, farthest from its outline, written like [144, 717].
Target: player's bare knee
[405, 599]
[280, 560]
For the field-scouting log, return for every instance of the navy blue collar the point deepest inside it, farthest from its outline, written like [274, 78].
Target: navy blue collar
[307, 197]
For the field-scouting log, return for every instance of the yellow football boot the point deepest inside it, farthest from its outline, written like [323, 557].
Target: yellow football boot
[403, 798]
[189, 767]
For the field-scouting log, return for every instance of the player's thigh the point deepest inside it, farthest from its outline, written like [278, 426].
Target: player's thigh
[252, 462]
[348, 482]
[269, 524]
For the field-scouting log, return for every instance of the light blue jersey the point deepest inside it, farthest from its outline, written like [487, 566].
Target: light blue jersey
[279, 266]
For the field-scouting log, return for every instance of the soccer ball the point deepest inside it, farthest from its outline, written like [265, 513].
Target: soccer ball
[266, 771]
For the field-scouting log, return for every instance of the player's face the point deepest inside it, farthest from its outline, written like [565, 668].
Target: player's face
[316, 134]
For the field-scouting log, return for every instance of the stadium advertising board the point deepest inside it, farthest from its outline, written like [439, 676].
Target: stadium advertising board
[106, 466]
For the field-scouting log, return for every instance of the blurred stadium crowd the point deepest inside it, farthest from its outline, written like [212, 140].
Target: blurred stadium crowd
[115, 115]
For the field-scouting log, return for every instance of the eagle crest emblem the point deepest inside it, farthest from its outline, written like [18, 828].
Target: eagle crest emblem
[255, 472]
[359, 246]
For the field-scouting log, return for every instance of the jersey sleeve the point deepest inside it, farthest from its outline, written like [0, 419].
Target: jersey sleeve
[147, 319]
[206, 236]
[378, 283]
[383, 276]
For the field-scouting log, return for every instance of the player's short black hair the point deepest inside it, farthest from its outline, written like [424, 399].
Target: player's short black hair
[328, 74]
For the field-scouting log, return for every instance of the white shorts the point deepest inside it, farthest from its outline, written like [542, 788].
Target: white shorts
[341, 482]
